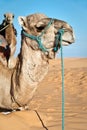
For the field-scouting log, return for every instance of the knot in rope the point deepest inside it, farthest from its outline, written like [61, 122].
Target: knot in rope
[58, 39]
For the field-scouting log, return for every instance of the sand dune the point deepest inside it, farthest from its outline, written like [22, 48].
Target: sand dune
[45, 107]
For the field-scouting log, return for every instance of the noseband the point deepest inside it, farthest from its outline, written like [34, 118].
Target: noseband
[38, 38]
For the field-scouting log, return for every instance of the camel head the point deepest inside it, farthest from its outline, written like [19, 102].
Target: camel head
[8, 18]
[43, 31]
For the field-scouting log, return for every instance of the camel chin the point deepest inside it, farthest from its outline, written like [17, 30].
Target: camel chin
[65, 43]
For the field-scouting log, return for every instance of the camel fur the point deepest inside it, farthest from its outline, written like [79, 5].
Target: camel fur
[18, 85]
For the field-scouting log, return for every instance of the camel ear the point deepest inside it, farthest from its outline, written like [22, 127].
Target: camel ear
[4, 15]
[21, 21]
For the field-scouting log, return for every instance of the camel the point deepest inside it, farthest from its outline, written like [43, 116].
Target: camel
[18, 85]
[8, 31]
[3, 50]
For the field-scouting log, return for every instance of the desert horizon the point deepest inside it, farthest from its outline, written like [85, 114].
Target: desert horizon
[46, 106]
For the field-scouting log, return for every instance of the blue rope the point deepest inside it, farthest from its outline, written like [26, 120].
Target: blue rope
[61, 32]
[58, 39]
[37, 39]
[48, 25]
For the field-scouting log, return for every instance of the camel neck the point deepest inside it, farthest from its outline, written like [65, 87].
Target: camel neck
[30, 70]
[34, 65]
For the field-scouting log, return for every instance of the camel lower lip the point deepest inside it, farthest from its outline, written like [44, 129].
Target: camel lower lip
[65, 43]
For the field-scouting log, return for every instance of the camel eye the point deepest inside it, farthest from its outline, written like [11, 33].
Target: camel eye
[13, 16]
[40, 28]
[4, 15]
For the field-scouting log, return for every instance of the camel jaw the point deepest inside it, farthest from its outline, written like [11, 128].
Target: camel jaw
[66, 43]
[68, 39]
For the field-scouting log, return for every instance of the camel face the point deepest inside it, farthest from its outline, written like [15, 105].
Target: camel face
[9, 17]
[36, 24]
[68, 37]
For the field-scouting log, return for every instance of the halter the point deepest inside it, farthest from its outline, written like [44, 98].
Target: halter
[58, 39]
[4, 27]
[38, 38]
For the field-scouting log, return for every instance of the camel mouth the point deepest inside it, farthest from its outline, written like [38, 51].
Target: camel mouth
[9, 22]
[66, 43]
[68, 38]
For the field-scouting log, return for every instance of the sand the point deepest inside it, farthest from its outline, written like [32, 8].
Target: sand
[45, 107]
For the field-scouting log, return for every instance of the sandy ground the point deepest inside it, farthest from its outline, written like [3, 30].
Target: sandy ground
[45, 107]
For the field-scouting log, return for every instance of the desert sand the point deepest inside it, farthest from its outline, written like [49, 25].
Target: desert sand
[45, 107]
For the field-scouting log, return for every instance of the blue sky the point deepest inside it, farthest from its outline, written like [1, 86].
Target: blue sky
[72, 11]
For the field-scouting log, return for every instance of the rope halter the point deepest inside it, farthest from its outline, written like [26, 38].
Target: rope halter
[38, 38]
